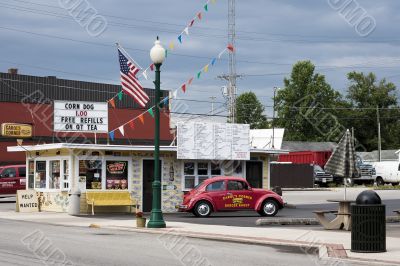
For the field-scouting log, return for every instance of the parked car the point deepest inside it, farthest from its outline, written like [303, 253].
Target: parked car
[230, 194]
[12, 178]
[387, 172]
[321, 178]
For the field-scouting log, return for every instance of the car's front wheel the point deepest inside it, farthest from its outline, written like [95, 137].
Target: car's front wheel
[269, 208]
[202, 209]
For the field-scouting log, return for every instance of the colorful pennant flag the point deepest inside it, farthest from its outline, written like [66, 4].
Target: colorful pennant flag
[180, 38]
[171, 45]
[144, 73]
[150, 111]
[112, 102]
[213, 61]
[184, 87]
[230, 48]
[186, 30]
[152, 67]
[175, 94]
[199, 15]
[206, 68]
[198, 74]
[141, 118]
[206, 7]
[111, 134]
[131, 124]
[121, 129]
[120, 94]
[191, 23]
[190, 81]
[221, 53]
[165, 102]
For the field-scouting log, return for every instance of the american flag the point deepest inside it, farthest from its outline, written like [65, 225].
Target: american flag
[130, 84]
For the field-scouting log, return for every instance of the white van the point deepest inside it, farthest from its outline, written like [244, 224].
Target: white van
[387, 172]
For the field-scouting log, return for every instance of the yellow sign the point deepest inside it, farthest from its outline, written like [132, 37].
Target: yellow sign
[16, 130]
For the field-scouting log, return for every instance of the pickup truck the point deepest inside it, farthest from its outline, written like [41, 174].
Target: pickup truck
[12, 178]
[321, 178]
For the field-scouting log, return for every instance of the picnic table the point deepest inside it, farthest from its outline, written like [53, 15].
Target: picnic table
[342, 219]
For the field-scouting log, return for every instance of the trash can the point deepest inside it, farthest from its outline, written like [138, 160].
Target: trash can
[368, 228]
[74, 202]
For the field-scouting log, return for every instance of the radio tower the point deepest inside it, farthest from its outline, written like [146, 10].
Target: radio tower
[232, 62]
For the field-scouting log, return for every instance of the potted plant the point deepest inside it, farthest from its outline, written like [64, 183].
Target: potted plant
[140, 220]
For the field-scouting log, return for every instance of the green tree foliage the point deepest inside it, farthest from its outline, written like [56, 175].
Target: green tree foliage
[249, 110]
[301, 106]
[364, 94]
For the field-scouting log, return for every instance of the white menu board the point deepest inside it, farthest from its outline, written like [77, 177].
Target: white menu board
[80, 116]
[209, 141]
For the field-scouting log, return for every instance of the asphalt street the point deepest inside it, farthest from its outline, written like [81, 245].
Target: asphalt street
[25, 243]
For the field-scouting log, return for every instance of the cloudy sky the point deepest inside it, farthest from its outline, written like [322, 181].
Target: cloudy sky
[43, 38]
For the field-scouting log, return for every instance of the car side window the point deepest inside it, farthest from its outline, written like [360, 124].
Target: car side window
[22, 171]
[237, 185]
[216, 186]
[9, 172]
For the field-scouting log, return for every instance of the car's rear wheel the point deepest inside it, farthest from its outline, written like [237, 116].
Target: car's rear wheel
[202, 209]
[269, 208]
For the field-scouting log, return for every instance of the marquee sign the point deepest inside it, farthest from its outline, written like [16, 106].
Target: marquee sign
[80, 117]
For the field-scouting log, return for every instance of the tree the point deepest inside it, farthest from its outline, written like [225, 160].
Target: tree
[365, 94]
[306, 106]
[249, 110]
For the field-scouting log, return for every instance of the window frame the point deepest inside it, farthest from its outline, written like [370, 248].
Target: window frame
[196, 174]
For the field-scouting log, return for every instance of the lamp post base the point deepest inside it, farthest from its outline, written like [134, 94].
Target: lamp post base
[156, 220]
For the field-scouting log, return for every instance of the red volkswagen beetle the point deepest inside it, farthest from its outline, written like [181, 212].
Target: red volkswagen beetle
[230, 194]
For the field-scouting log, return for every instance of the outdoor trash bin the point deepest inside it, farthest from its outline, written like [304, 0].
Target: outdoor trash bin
[74, 205]
[368, 230]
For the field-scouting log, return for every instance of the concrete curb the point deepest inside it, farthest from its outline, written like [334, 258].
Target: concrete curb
[306, 189]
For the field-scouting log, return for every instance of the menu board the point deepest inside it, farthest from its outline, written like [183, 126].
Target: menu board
[209, 141]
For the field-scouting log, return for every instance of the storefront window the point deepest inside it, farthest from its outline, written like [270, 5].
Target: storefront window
[31, 174]
[116, 174]
[215, 169]
[40, 175]
[195, 173]
[54, 182]
[90, 172]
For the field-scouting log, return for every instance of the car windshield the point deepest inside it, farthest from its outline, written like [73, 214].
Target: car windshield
[318, 168]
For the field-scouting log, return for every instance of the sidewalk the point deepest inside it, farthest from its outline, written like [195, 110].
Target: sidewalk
[330, 243]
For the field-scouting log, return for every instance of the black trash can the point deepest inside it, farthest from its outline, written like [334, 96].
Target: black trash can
[368, 223]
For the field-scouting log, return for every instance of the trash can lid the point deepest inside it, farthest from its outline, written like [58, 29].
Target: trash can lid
[368, 197]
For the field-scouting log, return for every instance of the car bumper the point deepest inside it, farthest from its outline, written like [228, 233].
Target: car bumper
[183, 208]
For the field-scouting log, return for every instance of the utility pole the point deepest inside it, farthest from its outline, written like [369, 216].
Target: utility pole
[379, 135]
[212, 104]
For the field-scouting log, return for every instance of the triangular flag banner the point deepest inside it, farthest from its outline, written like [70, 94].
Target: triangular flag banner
[171, 45]
[152, 67]
[198, 74]
[230, 47]
[213, 61]
[206, 7]
[131, 124]
[190, 81]
[199, 15]
[112, 102]
[184, 87]
[145, 74]
[206, 68]
[141, 118]
[120, 94]
[186, 30]
[175, 94]
[121, 129]
[151, 112]
[221, 53]
[111, 134]
[180, 38]
[165, 101]
[191, 23]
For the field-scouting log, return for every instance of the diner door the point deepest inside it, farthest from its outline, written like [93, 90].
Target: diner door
[148, 176]
[254, 173]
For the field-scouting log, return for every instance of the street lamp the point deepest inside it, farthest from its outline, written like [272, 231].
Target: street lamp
[273, 120]
[157, 55]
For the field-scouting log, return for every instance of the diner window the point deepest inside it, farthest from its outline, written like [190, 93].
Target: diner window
[90, 171]
[215, 169]
[117, 174]
[40, 175]
[31, 174]
[195, 173]
[54, 181]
